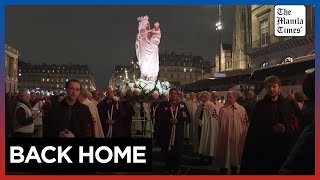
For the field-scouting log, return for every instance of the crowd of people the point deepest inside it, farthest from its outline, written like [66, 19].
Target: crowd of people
[244, 136]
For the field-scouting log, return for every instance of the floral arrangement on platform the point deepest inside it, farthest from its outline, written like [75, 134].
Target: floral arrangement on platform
[141, 90]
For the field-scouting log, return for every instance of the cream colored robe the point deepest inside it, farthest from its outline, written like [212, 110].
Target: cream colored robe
[209, 131]
[195, 139]
[192, 108]
[98, 131]
[233, 127]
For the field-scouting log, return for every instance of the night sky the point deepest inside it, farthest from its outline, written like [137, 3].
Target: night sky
[104, 36]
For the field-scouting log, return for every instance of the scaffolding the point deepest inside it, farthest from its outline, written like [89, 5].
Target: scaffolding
[145, 127]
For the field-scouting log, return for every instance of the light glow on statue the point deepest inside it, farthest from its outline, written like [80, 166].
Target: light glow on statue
[147, 49]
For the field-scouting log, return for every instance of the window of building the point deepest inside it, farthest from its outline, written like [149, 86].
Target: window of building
[243, 19]
[184, 64]
[190, 69]
[264, 32]
[47, 80]
[53, 71]
[67, 80]
[184, 69]
[178, 75]
[171, 75]
[58, 85]
[87, 80]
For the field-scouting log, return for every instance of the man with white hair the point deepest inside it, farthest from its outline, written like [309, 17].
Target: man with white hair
[233, 126]
[208, 131]
[83, 98]
[23, 116]
[214, 99]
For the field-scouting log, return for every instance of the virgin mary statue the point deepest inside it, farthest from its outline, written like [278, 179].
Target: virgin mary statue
[147, 49]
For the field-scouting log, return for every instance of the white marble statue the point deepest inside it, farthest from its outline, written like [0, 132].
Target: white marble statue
[147, 49]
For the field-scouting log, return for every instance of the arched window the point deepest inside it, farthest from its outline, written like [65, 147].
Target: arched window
[243, 19]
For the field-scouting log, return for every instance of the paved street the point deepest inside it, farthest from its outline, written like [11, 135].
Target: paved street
[190, 163]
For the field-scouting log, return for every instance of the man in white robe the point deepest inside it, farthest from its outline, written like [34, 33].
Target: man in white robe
[196, 127]
[83, 98]
[208, 121]
[214, 100]
[192, 108]
[233, 126]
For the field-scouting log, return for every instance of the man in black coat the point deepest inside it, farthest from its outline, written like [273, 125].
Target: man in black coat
[269, 135]
[111, 116]
[171, 116]
[70, 118]
[301, 159]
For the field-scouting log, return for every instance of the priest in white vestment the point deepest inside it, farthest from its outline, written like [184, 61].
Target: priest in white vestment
[215, 101]
[192, 106]
[233, 126]
[83, 98]
[208, 121]
[196, 127]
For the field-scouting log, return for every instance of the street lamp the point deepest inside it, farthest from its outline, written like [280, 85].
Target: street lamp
[219, 28]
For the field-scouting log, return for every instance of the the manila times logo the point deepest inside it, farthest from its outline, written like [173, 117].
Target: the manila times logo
[290, 20]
